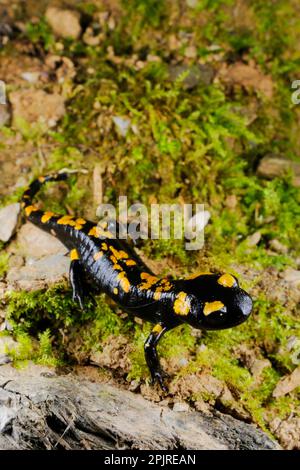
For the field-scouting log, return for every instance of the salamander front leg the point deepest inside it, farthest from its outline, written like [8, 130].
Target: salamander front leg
[78, 282]
[151, 356]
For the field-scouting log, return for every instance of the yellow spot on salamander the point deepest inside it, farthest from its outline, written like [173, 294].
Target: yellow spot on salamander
[124, 282]
[30, 209]
[130, 262]
[227, 280]
[119, 254]
[98, 232]
[98, 255]
[211, 307]
[116, 265]
[157, 329]
[79, 223]
[166, 285]
[116, 290]
[74, 255]
[194, 276]
[66, 220]
[42, 179]
[46, 217]
[149, 281]
[182, 304]
[93, 232]
[104, 246]
[26, 196]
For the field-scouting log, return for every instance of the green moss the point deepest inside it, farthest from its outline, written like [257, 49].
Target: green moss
[56, 320]
[4, 257]
[40, 33]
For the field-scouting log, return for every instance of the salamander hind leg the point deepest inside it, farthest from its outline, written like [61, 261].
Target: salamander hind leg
[78, 282]
[151, 355]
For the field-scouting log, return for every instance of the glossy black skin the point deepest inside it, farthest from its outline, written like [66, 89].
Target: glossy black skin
[126, 279]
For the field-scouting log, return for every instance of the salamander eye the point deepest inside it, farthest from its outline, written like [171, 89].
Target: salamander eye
[227, 280]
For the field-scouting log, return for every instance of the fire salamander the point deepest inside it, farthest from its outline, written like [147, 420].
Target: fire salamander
[205, 301]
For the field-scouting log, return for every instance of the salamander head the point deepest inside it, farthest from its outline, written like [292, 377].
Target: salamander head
[217, 302]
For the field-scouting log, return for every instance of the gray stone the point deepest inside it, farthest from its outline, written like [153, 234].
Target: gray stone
[39, 273]
[34, 243]
[200, 73]
[8, 221]
[39, 412]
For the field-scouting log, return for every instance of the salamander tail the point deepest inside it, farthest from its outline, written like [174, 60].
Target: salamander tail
[35, 186]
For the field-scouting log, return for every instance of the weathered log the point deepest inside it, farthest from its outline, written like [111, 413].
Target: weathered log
[40, 410]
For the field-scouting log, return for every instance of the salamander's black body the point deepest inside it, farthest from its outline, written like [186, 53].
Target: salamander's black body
[205, 301]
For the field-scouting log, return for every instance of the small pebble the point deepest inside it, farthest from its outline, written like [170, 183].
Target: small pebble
[8, 221]
[181, 407]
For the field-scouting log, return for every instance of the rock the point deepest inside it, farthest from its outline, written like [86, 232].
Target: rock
[6, 326]
[38, 273]
[4, 359]
[258, 365]
[37, 106]
[291, 276]
[247, 76]
[287, 431]
[64, 23]
[31, 77]
[134, 386]
[200, 73]
[277, 246]
[34, 243]
[181, 407]
[8, 221]
[253, 239]
[122, 125]
[7, 344]
[4, 115]
[64, 412]
[182, 362]
[249, 359]
[287, 384]
[273, 166]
